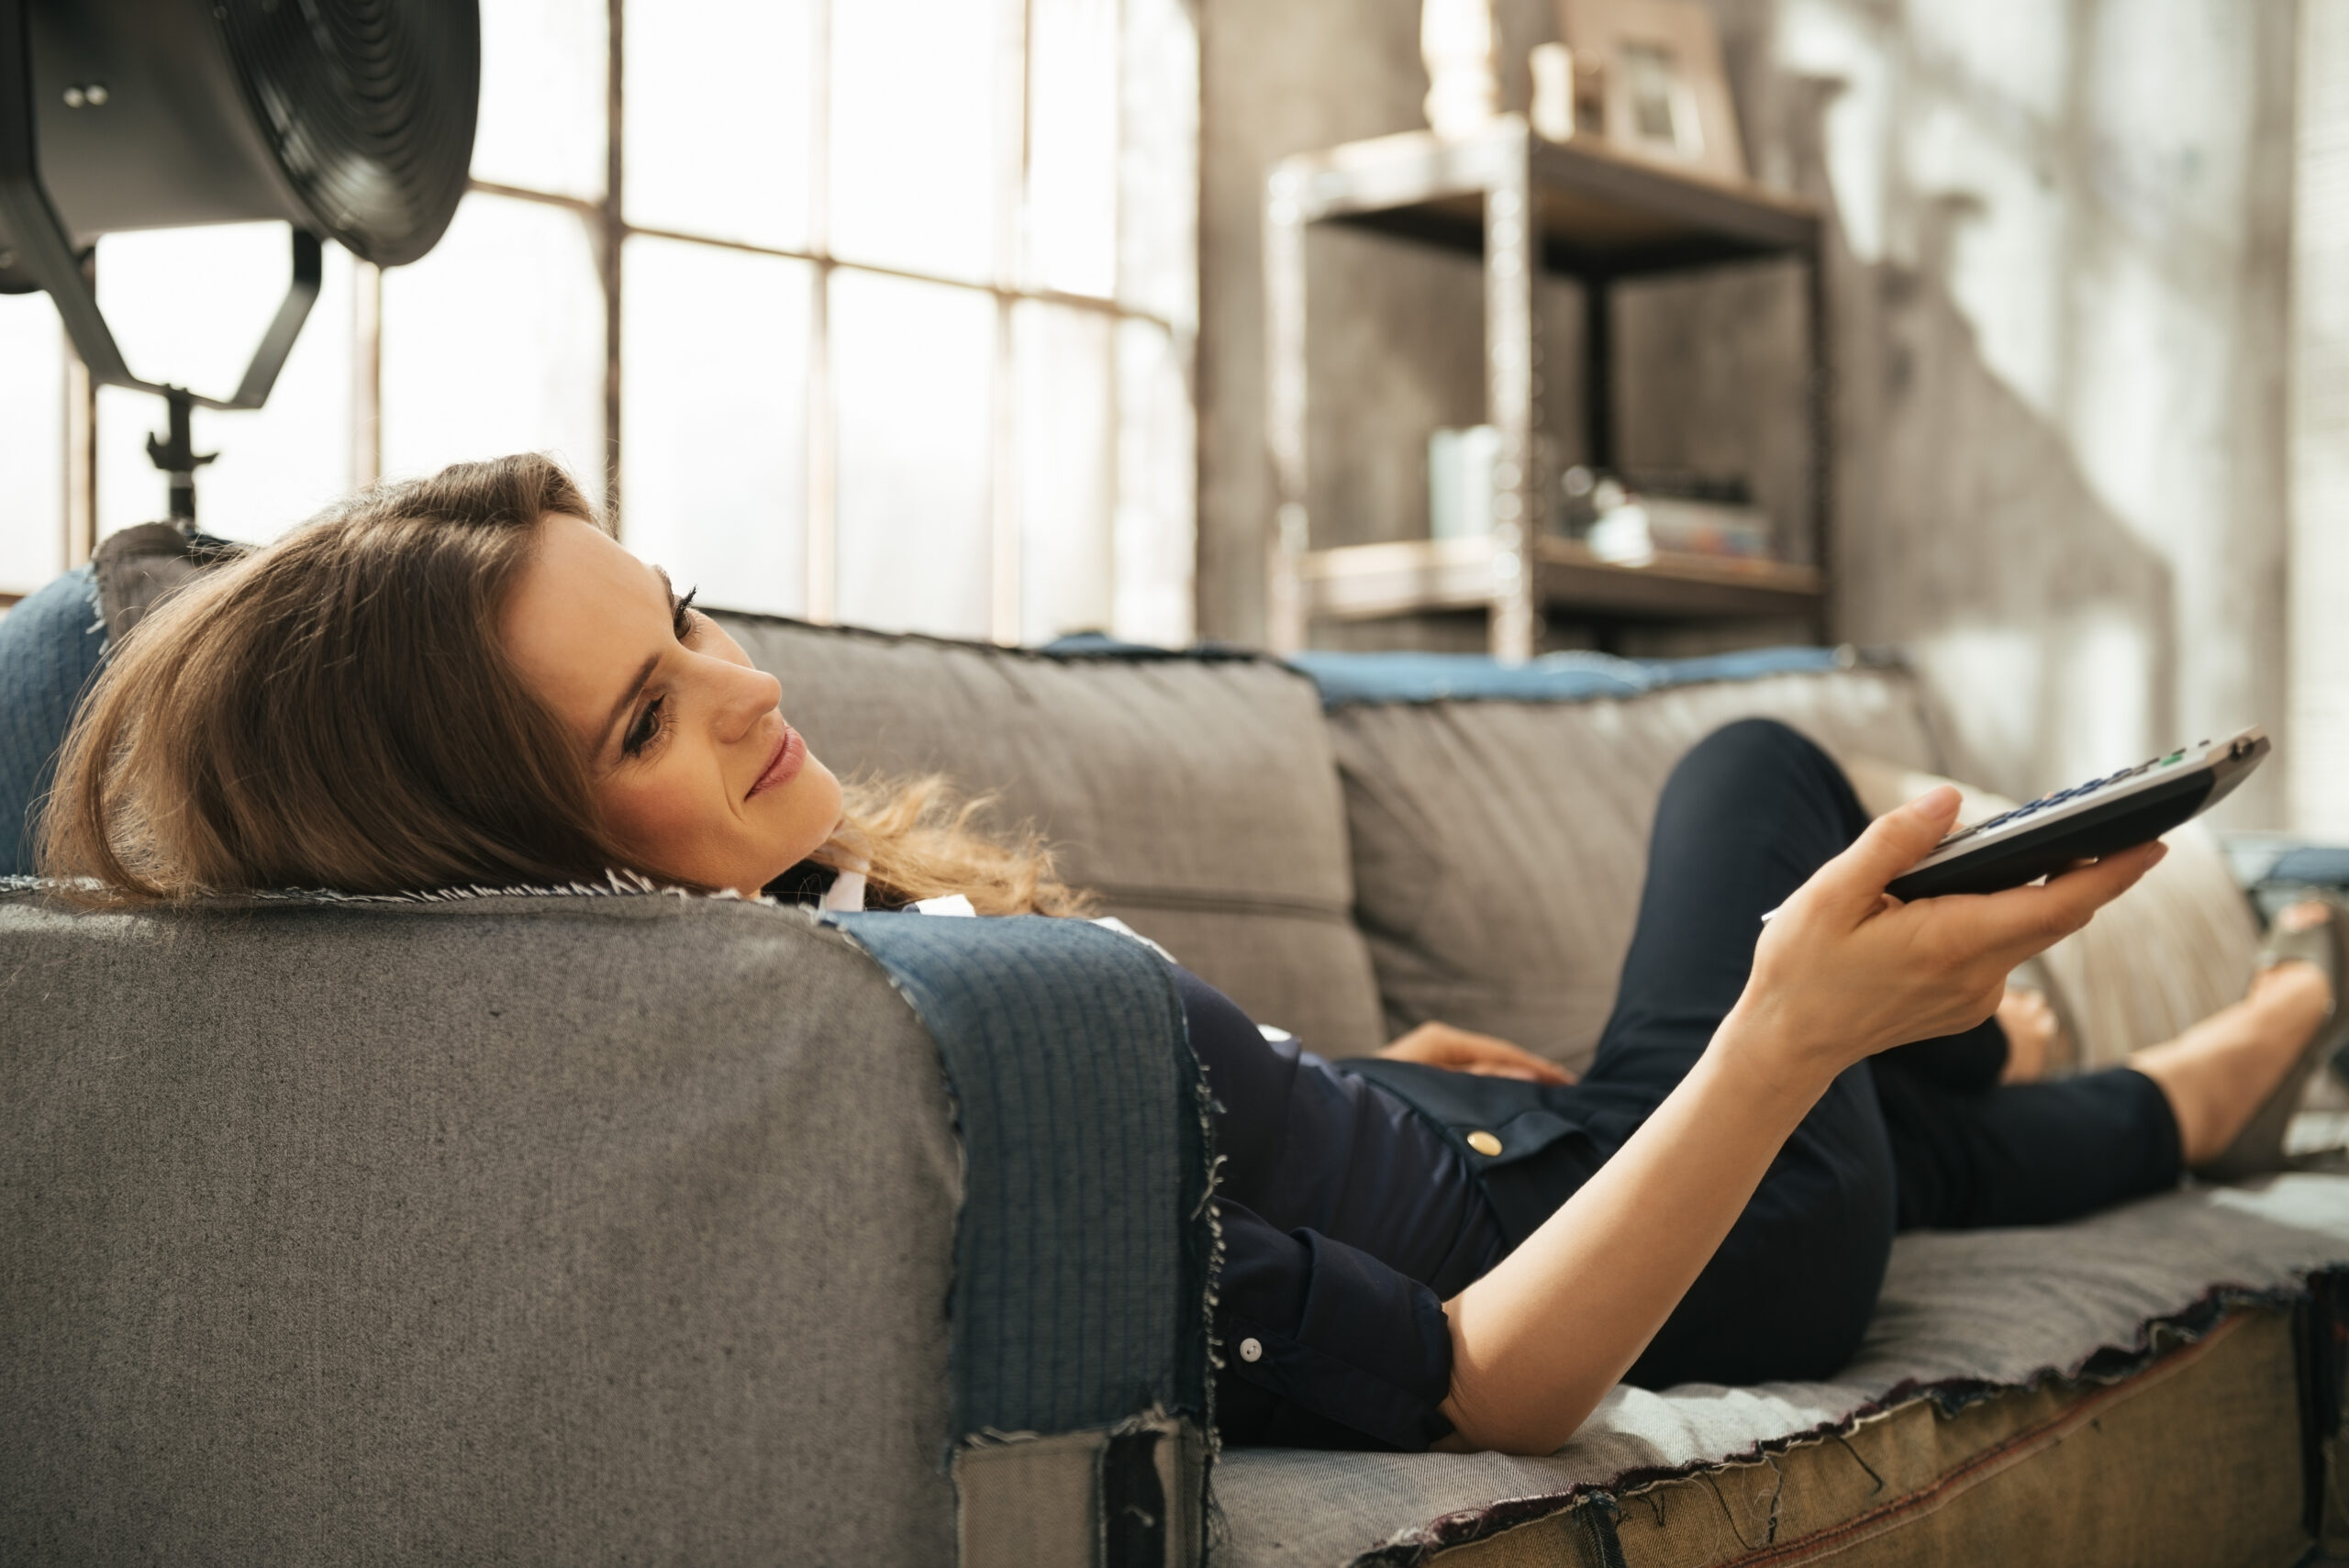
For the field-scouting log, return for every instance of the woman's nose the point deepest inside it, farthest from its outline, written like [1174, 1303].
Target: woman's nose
[745, 697]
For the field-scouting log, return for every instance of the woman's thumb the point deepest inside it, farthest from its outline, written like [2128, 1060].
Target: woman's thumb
[1893, 842]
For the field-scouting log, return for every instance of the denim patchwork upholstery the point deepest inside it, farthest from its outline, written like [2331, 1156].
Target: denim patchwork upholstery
[50, 646]
[1081, 1257]
[1083, 1249]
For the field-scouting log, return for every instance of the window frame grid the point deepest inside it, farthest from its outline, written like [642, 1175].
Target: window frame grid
[606, 218]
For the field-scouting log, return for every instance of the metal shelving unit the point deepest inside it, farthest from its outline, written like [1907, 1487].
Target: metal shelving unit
[1577, 208]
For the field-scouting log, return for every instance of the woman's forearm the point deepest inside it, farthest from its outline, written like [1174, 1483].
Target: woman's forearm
[1537, 1342]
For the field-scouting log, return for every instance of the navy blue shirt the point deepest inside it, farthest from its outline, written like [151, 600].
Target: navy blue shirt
[1347, 1221]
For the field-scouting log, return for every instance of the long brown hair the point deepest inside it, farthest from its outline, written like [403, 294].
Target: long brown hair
[337, 711]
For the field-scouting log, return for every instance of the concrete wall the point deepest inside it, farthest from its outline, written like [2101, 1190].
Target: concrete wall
[2318, 620]
[2060, 289]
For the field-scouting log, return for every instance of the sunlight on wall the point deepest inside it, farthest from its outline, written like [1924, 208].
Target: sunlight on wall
[2320, 427]
[1842, 40]
[2079, 184]
[1977, 669]
[2102, 698]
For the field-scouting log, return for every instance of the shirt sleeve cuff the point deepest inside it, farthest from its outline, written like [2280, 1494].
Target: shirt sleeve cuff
[1350, 1338]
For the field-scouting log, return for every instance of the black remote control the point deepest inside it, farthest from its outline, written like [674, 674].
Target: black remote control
[2100, 818]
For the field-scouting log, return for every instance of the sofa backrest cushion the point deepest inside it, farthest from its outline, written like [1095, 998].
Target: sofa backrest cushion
[544, 1229]
[1499, 846]
[1197, 797]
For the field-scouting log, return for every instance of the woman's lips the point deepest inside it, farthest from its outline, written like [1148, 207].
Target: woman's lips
[790, 756]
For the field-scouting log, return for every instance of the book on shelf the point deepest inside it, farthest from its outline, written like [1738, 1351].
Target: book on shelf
[1626, 519]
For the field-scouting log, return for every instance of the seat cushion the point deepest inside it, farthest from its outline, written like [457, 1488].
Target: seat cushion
[1196, 795]
[2064, 1309]
[1499, 846]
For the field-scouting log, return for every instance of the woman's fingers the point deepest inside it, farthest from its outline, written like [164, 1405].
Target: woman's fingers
[1854, 880]
[2036, 918]
[1465, 1051]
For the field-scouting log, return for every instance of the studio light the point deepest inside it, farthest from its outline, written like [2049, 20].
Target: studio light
[351, 121]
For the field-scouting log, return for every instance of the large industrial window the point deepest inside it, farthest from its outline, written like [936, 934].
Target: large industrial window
[869, 310]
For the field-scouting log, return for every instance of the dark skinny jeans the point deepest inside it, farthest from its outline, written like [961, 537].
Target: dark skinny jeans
[1921, 1137]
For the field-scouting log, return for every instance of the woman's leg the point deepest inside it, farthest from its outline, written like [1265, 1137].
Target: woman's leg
[1747, 815]
[1745, 819]
[2026, 1153]
[2042, 1153]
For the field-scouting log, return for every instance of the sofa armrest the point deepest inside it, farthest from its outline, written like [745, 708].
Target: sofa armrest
[556, 1229]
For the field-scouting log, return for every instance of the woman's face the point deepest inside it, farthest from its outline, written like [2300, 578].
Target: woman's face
[699, 776]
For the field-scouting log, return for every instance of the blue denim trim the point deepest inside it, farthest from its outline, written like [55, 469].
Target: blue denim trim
[1084, 1253]
[1346, 679]
[50, 647]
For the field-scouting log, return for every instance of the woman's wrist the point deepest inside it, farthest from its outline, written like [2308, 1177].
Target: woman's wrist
[1778, 1064]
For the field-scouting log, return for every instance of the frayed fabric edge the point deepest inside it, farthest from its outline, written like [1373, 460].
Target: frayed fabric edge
[2104, 1366]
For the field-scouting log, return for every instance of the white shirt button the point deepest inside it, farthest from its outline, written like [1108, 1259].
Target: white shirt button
[1252, 1350]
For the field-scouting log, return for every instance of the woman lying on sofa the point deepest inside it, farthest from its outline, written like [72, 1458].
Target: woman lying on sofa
[464, 680]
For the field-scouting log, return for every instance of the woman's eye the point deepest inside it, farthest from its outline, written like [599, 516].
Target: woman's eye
[644, 731]
[684, 616]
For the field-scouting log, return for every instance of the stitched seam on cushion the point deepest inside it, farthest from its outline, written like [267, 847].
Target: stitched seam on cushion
[1216, 901]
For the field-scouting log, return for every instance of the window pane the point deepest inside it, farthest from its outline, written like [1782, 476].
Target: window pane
[32, 442]
[277, 464]
[542, 91]
[912, 364]
[914, 135]
[1073, 145]
[1158, 164]
[495, 343]
[1062, 358]
[1156, 532]
[714, 406]
[718, 137]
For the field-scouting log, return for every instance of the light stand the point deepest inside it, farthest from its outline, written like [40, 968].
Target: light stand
[177, 457]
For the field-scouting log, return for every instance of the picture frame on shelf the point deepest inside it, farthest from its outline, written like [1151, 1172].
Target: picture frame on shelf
[1664, 88]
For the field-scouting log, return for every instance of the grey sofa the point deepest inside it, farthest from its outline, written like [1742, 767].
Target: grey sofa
[622, 1227]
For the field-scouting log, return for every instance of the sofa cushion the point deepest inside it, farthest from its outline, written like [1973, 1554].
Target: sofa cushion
[1196, 795]
[1499, 846]
[1963, 1314]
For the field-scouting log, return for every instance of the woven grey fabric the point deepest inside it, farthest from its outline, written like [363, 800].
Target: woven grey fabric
[1498, 847]
[1999, 1307]
[556, 1229]
[1197, 797]
[1081, 1260]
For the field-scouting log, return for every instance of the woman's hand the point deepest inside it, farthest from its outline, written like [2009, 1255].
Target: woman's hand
[1465, 1051]
[1845, 970]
